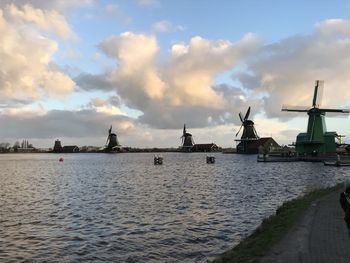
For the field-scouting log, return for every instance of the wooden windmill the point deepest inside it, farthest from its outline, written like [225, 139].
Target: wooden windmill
[316, 141]
[112, 144]
[249, 134]
[187, 141]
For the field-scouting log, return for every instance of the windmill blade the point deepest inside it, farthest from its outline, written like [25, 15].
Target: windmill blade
[182, 138]
[240, 116]
[239, 130]
[247, 114]
[335, 110]
[318, 93]
[340, 114]
[295, 108]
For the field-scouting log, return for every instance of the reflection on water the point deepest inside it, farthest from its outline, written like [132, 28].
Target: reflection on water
[122, 208]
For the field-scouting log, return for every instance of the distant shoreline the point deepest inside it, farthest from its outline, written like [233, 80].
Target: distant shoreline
[136, 150]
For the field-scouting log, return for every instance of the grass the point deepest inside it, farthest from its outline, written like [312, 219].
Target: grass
[273, 229]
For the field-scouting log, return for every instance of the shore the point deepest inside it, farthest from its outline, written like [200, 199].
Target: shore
[306, 229]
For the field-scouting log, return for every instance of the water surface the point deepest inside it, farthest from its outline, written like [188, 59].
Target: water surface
[122, 208]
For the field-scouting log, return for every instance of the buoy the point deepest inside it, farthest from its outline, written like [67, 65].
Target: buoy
[61, 159]
[210, 159]
[158, 160]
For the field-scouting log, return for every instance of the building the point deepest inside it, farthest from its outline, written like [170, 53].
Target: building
[70, 149]
[205, 147]
[267, 144]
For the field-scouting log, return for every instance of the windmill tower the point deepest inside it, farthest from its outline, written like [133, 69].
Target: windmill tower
[187, 141]
[316, 141]
[249, 134]
[112, 143]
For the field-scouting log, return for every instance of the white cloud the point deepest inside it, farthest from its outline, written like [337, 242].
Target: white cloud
[48, 20]
[26, 55]
[182, 85]
[137, 75]
[162, 26]
[105, 106]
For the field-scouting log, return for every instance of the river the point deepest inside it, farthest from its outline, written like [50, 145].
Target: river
[122, 208]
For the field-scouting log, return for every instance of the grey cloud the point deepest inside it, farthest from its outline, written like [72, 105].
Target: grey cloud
[57, 123]
[90, 82]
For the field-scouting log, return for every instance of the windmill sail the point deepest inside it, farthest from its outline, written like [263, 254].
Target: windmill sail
[318, 93]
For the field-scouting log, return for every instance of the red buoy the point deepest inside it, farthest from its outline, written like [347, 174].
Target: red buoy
[61, 159]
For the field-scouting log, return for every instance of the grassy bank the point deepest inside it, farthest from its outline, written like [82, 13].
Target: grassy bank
[273, 228]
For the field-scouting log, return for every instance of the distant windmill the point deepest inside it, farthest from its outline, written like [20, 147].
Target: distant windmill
[249, 141]
[316, 141]
[249, 132]
[112, 143]
[186, 140]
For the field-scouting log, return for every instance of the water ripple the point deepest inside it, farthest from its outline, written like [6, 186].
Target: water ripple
[122, 208]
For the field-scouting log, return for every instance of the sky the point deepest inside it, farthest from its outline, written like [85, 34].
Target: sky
[70, 69]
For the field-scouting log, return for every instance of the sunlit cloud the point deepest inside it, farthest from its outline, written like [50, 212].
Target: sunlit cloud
[27, 73]
[180, 88]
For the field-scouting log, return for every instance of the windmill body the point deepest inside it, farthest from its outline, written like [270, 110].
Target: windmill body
[112, 144]
[316, 141]
[187, 141]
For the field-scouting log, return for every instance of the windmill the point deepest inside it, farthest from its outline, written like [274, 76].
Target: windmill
[249, 134]
[187, 141]
[112, 143]
[316, 141]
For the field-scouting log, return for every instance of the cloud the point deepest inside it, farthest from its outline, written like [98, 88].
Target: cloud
[91, 82]
[110, 106]
[285, 72]
[48, 20]
[26, 54]
[181, 87]
[59, 5]
[162, 26]
[149, 3]
[137, 78]
[24, 123]
[114, 11]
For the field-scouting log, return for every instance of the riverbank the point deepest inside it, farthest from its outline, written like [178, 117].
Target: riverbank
[273, 229]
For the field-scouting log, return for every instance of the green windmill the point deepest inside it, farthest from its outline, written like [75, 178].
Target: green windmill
[316, 141]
